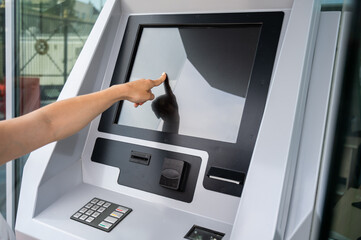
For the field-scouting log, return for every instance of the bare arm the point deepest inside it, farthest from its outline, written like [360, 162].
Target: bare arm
[62, 119]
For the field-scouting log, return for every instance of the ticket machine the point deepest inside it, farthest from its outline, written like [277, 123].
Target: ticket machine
[214, 155]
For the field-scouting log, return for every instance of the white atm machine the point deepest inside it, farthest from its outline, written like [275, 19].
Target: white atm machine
[214, 155]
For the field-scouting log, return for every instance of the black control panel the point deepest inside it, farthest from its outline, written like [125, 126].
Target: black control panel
[234, 54]
[165, 173]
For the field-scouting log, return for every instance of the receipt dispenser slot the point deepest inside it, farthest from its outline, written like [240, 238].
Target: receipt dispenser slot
[140, 157]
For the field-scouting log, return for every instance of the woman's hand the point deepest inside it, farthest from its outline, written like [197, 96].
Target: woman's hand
[140, 91]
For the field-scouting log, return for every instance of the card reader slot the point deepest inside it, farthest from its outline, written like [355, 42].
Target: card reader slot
[226, 175]
[140, 157]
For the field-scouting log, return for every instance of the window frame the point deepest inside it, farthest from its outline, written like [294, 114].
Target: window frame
[9, 113]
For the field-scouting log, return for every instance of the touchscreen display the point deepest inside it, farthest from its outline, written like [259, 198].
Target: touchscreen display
[208, 68]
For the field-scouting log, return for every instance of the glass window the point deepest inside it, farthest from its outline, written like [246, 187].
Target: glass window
[342, 210]
[332, 5]
[49, 37]
[2, 104]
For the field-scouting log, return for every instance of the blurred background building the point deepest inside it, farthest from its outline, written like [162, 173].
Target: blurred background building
[49, 36]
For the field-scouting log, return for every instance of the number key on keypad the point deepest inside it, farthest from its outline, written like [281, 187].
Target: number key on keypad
[101, 209]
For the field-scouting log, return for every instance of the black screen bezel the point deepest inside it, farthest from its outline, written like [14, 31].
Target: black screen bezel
[234, 156]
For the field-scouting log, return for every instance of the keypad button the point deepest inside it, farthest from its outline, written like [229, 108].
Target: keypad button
[76, 215]
[94, 208]
[89, 219]
[105, 225]
[122, 209]
[89, 212]
[101, 209]
[83, 217]
[96, 214]
[100, 203]
[89, 205]
[83, 210]
[116, 214]
[107, 205]
[110, 219]
[94, 201]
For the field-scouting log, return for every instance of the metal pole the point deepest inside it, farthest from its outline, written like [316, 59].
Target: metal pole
[10, 76]
[65, 45]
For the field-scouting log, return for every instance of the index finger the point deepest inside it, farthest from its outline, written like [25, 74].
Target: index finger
[160, 80]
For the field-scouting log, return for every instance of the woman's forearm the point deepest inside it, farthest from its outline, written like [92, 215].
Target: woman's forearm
[53, 122]
[64, 118]
[69, 116]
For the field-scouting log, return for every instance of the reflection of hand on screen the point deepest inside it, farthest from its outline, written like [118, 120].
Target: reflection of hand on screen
[166, 108]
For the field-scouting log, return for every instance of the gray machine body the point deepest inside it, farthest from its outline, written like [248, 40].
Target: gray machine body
[279, 196]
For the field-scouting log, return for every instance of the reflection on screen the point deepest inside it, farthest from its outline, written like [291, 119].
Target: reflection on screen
[209, 70]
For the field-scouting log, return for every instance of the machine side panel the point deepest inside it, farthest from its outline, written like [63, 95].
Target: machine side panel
[331, 121]
[264, 204]
[309, 159]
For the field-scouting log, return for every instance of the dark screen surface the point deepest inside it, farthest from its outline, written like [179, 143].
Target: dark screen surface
[219, 68]
[208, 69]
